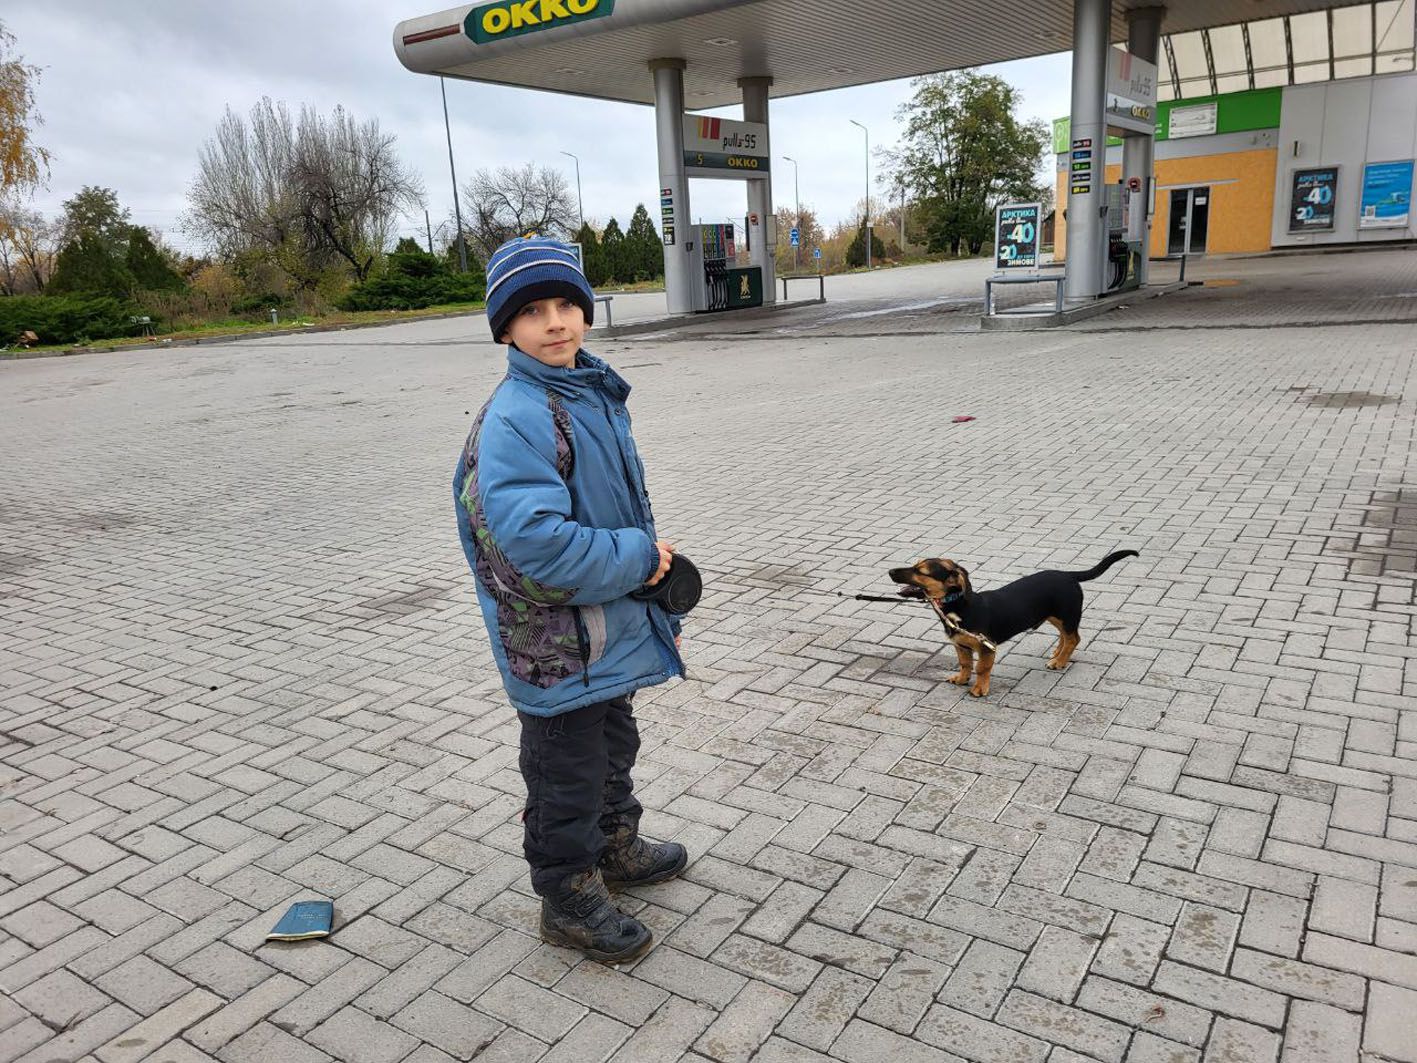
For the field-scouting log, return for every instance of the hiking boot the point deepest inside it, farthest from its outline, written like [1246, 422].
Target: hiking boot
[579, 915]
[632, 861]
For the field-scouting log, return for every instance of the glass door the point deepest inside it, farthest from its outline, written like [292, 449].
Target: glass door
[1199, 227]
[1189, 221]
[1176, 229]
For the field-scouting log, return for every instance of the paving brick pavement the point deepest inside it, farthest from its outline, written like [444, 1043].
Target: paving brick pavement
[240, 664]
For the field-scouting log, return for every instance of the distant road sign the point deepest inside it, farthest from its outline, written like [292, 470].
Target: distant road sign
[796, 237]
[816, 252]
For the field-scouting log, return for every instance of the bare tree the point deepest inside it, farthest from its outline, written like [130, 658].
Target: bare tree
[302, 195]
[350, 187]
[28, 246]
[515, 202]
[241, 201]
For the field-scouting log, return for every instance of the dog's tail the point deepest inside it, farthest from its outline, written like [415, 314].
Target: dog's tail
[1103, 565]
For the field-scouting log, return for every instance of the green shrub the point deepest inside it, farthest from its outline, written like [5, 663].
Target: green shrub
[412, 280]
[67, 318]
[259, 305]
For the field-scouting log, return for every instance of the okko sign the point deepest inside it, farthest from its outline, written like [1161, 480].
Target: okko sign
[1131, 92]
[721, 147]
[1312, 200]
[512, 18]
[1017, 230]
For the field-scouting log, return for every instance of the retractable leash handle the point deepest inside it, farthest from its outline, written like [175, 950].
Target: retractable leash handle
[680, 589]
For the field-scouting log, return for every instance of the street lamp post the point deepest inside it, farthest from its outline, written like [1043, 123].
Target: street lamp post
[866, 227]
[796, 195]
[580, 207]
[457, 210]
[902, 217]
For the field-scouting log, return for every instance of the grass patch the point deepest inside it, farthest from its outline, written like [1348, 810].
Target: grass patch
[238, 328]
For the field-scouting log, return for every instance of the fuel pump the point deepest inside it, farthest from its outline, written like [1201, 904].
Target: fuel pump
[718, 284]
[709, 256]
[1124, 217]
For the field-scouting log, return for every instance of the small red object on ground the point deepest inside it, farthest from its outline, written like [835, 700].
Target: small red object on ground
[962, 418]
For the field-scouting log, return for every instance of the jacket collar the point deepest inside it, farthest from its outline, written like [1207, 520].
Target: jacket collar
[589, 373]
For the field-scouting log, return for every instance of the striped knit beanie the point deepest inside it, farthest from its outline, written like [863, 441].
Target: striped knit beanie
[530, 268]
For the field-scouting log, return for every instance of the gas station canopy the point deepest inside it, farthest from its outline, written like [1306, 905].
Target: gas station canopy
[1354, 41]
[600, 48]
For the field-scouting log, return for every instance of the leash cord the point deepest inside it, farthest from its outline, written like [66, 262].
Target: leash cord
[950, 621]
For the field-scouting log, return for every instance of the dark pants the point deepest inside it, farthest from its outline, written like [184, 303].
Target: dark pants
[578, 788]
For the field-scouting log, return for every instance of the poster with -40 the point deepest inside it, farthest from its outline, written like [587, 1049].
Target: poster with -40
[1017, 233]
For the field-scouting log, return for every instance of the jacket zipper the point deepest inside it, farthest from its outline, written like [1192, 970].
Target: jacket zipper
[582, 644]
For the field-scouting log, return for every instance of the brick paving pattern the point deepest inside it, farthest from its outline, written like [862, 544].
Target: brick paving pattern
[240, 665]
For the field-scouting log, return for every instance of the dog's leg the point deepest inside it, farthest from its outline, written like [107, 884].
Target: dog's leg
[981, 674]
[966, 666]
[1056, 659]
[1067, 642]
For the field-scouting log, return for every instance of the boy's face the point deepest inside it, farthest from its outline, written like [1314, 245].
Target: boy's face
[549, 330]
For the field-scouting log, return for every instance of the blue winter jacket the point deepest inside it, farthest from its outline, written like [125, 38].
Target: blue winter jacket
[556, 524]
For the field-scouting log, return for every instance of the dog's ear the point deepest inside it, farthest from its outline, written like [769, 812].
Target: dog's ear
[968, 587]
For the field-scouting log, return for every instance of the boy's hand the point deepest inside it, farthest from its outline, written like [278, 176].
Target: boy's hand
[666, 555]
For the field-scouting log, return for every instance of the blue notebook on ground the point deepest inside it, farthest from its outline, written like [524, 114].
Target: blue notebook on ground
[304, 919]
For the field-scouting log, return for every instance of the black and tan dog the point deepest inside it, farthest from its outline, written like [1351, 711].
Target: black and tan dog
[1052, 596]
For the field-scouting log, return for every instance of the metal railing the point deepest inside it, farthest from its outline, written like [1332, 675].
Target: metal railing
[1030, 278]
[818, 277]
[609, 317]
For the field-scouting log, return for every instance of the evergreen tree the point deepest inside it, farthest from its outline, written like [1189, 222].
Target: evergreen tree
[149, 267]
[86, 265]
[646, 252]
[410, 278]
[592, 255]
[612, 245]
[856, 253]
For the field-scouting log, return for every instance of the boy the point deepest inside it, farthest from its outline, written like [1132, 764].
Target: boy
[556, 524]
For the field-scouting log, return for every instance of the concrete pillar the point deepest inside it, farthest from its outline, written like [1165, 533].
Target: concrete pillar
[669, 140]
[1139, 153]
[755, 109]
[1086, 233]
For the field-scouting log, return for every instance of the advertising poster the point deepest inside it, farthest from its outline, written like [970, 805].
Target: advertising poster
[1387, 195]
[1312, 200]
[1016, 235]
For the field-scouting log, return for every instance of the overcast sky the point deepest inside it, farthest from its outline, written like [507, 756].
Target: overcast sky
[130, 91]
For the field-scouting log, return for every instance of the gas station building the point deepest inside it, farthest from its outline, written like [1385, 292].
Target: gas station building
[1341, 97]
[1134, 67]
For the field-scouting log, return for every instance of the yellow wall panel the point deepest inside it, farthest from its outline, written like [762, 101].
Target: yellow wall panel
[1241, 208]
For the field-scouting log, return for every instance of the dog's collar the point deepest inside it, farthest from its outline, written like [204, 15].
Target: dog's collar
[951, 598]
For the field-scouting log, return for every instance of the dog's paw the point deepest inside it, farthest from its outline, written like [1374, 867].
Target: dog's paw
[960, 679]
[1055, 666]
[978, 692]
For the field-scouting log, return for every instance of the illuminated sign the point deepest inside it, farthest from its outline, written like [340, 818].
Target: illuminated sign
[1131, 91]
[722, 147]
[512, 18]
